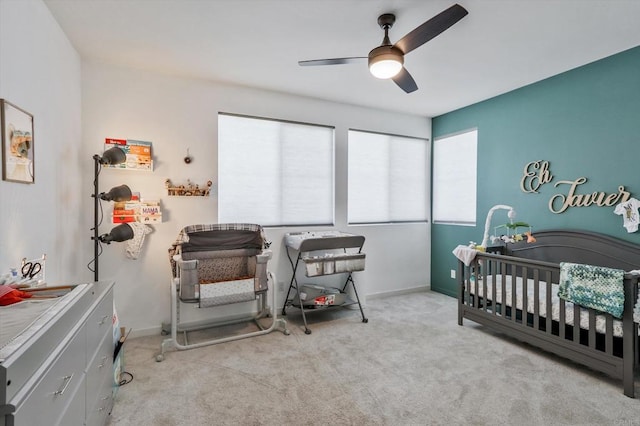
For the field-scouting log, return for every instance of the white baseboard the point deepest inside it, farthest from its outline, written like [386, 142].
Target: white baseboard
[398, 292]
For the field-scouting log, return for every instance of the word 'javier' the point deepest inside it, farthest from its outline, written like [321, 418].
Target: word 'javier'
[537, 173]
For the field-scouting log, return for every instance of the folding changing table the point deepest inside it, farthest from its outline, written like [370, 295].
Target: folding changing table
[323, 253]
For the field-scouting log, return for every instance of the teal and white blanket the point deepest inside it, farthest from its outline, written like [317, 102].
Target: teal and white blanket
[594, 287]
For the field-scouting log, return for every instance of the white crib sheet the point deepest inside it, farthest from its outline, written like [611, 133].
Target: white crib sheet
[542, 301]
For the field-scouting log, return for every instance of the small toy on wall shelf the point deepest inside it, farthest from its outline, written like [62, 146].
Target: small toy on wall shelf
[188, 190]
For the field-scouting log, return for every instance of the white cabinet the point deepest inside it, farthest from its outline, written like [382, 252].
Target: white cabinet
[57, 369]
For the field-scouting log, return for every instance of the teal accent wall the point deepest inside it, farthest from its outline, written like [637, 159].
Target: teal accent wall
[585, 122]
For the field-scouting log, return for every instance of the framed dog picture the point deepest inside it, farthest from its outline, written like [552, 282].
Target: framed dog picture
[17, 143]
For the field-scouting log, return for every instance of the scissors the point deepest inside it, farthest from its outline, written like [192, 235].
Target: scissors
[31, 269]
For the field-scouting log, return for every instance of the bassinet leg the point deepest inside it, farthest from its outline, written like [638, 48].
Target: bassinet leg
[172, 341]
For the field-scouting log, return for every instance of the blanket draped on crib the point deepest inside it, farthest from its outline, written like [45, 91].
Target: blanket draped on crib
[594, 287]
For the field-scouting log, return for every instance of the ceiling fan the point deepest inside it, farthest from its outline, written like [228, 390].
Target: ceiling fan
[387, 60]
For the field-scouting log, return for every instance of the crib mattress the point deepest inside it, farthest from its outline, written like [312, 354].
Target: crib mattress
[507, 300]
[226, 292]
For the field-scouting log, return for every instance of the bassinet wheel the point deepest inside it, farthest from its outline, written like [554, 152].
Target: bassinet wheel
[159, 358]
[286, 332]
[165, 328]
[307, 331]
[365, 320]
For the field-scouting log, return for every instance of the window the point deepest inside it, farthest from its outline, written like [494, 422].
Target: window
[454, 178]
[274, 173]
[388, 178]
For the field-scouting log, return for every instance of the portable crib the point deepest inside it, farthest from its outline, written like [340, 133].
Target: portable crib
[216, 265]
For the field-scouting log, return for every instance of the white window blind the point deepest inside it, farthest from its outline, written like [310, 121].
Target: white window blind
[387, 178]
[455, 178]
[274, 173]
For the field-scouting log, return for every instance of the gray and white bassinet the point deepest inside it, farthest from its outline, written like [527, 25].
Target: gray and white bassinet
[216, 265]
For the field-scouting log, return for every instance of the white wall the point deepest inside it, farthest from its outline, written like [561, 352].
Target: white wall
[40, 72]
[176, 114]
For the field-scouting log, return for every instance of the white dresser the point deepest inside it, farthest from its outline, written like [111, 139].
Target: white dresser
[56, 359]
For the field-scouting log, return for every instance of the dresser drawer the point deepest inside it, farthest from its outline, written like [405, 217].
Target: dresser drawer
[74, 413]
[58, 388]
[99, 323]
[101, 367]
[101, 407]
[40, 341]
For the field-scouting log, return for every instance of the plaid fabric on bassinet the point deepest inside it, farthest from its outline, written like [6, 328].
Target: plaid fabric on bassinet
[594, 287]
[183, 236]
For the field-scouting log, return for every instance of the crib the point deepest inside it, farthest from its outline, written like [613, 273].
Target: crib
[214, 265]
[514, 290]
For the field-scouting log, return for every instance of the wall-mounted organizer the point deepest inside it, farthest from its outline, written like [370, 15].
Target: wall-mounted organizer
[139, 154]
[323, 253]
[190, 189]
[137, 210]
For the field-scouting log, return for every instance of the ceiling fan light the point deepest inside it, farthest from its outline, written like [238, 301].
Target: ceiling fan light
[385, 69]
[385, 62]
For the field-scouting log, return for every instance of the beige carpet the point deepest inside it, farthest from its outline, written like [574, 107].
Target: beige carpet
[410, 365]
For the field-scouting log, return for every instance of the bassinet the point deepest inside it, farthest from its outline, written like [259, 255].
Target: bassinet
[215, 265]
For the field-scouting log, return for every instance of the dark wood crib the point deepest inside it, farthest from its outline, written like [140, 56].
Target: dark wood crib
[514, 291]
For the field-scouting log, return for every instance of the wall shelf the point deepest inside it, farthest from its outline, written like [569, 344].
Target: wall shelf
[189, 189]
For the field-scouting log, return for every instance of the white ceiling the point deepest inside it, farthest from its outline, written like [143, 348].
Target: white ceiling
[501, 45]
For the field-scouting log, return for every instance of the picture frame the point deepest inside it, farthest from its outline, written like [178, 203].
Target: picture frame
[18, 156]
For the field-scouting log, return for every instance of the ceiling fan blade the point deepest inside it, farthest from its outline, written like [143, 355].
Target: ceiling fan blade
[431, 28]
[404, 80]
[334, 61]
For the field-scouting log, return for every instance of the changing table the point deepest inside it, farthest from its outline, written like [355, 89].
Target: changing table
[323, 253]
[56, 358]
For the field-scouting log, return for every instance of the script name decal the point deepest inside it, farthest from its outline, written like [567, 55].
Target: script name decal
[538, 173]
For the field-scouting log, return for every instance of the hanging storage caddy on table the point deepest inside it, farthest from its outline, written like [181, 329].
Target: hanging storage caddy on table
[215, 265]
[323, 253]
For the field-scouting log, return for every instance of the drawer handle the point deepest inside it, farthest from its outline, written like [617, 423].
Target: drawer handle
[103, 319]
[67, 381]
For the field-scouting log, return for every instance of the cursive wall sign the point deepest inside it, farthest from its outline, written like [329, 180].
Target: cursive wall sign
[538, 173]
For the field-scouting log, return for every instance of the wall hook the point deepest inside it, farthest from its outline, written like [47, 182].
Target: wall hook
[188, 158]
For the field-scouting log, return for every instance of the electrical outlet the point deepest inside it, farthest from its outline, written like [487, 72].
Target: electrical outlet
[453, 274]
